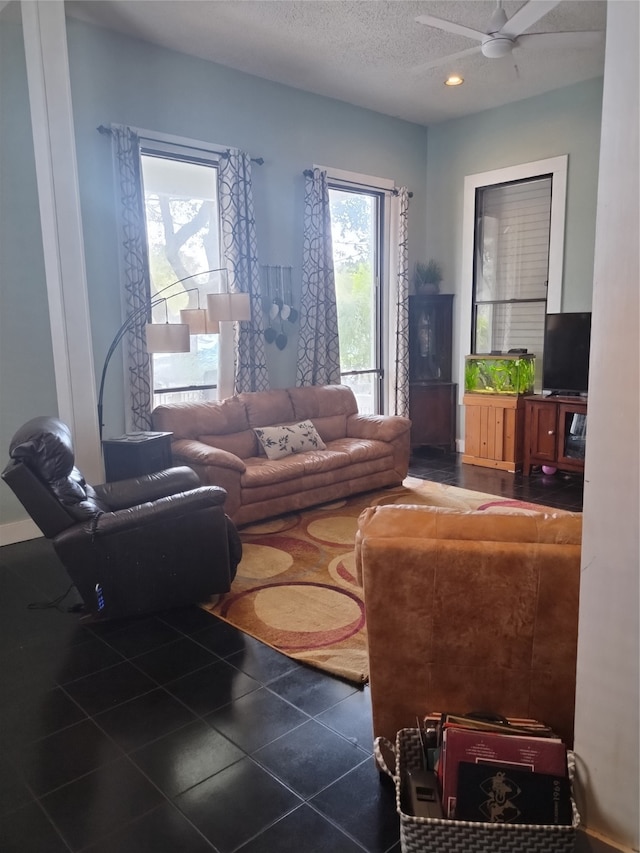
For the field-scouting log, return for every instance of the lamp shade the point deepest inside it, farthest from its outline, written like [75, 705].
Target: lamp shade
[240, 306]
[167, 337]
[229, 307]
[199, 321]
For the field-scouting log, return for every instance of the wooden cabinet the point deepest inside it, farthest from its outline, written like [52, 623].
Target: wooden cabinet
[136, 453]
[555, 432]
[494, 431]
[432, 395]
[432, 409]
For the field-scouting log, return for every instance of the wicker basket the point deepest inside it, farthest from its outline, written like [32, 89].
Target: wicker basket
[430, 835]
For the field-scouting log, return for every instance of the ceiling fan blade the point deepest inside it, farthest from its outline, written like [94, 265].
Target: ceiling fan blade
[450, 27]
[573, 39]
[527, 16]
[498, 20]
[445, 60]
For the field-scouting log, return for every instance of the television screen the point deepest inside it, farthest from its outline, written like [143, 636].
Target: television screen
[565, 363]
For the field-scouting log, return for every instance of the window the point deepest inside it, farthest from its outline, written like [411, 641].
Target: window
[555, 168]
[511, 266]
[355, 231]
[359, 231]
[181, 207]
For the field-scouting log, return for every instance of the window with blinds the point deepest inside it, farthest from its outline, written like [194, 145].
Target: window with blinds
[511, 266]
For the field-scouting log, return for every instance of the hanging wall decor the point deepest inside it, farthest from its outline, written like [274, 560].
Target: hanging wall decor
[278, 289]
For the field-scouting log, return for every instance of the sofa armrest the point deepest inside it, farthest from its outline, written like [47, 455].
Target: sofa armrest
[215, 467]
[380, 427]
[191, 451]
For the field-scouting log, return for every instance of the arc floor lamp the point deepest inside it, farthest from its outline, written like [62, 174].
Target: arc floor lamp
[175, 337]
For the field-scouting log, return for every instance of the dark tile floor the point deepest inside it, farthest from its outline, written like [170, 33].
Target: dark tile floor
[175, 732]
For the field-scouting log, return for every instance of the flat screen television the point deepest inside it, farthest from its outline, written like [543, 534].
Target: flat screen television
[565, 362]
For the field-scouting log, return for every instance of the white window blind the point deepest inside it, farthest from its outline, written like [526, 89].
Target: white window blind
[511, 265]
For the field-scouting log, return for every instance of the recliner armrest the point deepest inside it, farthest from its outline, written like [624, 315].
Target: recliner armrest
[163, 512]
[149, 487]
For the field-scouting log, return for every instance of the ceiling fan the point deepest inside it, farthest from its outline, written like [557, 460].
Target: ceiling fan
[503, 34]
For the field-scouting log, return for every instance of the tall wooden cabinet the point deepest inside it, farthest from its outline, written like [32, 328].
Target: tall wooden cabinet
[432, 394]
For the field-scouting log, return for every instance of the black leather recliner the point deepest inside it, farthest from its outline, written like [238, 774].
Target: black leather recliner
[150, 543]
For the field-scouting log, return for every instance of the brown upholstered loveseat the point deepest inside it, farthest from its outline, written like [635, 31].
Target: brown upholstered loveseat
[470, 611]
[217, 440]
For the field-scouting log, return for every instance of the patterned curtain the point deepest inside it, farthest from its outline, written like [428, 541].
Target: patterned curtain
[318, 343]
[240, 251]
[134, 265]
[400, 381]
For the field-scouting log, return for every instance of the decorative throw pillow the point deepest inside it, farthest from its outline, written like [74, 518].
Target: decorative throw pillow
[279, 441]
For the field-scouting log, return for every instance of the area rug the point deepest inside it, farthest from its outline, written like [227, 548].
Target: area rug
[295, 589]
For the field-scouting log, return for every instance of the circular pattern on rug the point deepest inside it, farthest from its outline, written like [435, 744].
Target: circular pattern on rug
[332, 505]
[272, 525]
[294, 616]
[274, 556]
[390, 495]
[343, 569]
[263, 561]
[335, 529]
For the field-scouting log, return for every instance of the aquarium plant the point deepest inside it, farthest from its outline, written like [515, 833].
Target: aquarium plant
[503, 374]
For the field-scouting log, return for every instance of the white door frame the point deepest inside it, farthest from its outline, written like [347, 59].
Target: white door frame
[45, 42]
[557, 168]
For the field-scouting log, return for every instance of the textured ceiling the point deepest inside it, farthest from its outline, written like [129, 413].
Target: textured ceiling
[364, 52]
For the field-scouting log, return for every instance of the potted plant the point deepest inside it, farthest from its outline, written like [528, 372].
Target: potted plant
[427, 277]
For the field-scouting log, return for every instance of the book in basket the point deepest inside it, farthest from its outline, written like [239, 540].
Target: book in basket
[520, 752]
[495, 793]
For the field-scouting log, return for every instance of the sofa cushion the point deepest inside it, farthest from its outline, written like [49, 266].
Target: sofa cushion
[286, 439]
[317, 401]
[362, 450]
[261, 472]
[191, 420]
[265, 408]
[242, 443]
[331, 427]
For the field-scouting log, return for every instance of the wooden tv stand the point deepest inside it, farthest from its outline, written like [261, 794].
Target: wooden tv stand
[554, 432]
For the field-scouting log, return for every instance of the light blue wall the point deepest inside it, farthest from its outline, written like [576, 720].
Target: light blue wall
[122, 80]
[27, 382]
[116, 79]
[566, 121]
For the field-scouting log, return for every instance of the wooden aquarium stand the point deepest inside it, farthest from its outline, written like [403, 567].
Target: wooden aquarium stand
[494, 431]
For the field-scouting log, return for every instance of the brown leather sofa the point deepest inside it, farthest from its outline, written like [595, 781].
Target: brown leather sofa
[470, 611]
[135, 546]
[217, 440]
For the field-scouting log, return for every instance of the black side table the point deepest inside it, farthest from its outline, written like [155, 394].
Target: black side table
[136, 453]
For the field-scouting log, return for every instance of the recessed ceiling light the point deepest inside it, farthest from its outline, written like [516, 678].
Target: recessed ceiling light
[454, 80]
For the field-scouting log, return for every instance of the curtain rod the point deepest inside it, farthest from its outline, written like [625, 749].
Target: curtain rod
[308, 173]
[107, 131]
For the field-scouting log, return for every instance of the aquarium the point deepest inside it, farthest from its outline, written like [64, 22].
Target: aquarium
[499, 374]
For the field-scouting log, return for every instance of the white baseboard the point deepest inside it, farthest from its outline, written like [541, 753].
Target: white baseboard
[18, 531]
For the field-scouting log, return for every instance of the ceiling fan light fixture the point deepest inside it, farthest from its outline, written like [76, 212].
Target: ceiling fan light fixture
[454, 80]
[496, 46]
